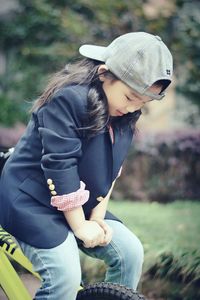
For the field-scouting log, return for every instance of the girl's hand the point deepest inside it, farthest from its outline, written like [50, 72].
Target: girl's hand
[108, 232]
[91, 233]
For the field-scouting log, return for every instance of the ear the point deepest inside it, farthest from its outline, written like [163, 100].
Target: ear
[102, 69]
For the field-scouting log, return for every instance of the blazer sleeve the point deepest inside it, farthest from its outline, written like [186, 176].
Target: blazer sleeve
[61, 143]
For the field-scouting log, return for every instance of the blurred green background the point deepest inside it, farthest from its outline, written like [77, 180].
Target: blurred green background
[159, 184]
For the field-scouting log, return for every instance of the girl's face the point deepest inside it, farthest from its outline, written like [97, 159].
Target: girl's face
[122, 99]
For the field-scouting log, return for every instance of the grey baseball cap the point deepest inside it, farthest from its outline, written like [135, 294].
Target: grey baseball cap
[139, 59]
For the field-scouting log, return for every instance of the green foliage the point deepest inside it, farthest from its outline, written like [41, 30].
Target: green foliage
[184, 269]
[41, 36]
[186, 46]
[11, 112]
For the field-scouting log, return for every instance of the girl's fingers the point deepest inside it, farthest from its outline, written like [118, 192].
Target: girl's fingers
[106, 239]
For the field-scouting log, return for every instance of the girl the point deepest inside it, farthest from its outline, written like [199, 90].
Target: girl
[56, 185]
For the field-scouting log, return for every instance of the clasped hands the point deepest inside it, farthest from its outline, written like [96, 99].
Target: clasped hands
[95, 232]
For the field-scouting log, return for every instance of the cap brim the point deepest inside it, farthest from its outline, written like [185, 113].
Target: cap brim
[94, 52]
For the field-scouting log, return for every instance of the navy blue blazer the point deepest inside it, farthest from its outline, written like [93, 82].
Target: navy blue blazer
[52, 148]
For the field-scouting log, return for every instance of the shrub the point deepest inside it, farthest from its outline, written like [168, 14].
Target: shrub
[183, 270]
[162, 167]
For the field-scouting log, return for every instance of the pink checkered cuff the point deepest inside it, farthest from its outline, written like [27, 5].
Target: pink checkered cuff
[70, 201]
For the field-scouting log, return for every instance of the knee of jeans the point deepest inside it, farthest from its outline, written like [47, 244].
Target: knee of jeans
[136, 251]
[131, 252]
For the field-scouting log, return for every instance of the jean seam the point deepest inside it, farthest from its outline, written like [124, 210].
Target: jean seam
[47, 270]
[122, 263]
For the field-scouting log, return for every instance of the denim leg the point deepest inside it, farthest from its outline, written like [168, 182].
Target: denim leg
[59, 268]
[123, 256]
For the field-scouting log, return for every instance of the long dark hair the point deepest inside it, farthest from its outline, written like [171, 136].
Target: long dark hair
[85, 72]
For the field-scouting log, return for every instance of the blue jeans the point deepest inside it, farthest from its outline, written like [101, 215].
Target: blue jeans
[60, 267]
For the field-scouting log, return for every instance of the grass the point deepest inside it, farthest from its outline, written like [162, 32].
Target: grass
[173, 227]
[170, 234]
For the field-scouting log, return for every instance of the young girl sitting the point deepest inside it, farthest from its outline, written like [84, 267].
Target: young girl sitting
[56, 185]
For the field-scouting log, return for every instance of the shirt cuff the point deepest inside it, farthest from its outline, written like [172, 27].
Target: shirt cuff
[70, 201]
[119, 173]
